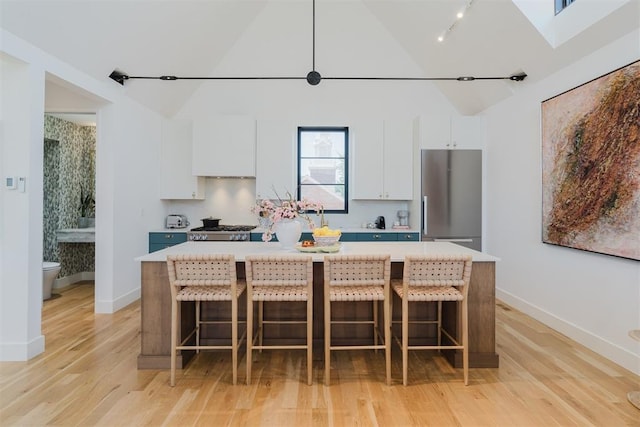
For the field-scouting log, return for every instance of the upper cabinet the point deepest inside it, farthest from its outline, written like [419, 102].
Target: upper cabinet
[176, 180]
[276, 159]
[224, 145]
[452, 132]
[382, 164]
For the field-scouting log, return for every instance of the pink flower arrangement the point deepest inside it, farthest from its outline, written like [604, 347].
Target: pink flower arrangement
[285, 209]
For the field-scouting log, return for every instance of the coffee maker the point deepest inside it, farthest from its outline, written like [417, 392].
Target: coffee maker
[403, 218]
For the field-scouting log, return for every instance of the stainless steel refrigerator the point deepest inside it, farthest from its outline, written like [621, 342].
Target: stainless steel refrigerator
[452, 197]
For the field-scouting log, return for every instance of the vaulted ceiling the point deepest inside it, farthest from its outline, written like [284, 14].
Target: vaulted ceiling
[354, 38]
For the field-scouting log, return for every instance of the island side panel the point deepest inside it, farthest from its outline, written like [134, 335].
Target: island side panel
[482, 319]
[155, 322]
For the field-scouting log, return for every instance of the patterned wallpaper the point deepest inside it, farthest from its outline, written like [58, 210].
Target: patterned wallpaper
[69, 164]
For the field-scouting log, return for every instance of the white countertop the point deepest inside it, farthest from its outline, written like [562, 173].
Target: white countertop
[306, 230]
[357, 230]
[397, 250]
[76, 235]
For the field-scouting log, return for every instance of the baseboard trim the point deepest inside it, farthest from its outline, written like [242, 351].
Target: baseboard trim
[109, 307]
[73, 278]
[21, 351]
[609, 350]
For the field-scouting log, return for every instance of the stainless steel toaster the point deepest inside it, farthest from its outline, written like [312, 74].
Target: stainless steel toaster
[176, 221]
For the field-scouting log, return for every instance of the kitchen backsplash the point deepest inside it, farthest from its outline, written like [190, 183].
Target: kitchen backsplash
[231, 199]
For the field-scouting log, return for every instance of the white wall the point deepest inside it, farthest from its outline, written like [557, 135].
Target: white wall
[592, 298]
[127, 198]
[22, 88]
[328, 104]
[126, 192]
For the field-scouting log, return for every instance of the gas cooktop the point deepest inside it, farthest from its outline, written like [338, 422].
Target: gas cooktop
[226, 228]
[237, 233]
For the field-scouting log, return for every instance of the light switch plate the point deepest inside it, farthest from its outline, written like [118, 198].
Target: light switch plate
[11, 182]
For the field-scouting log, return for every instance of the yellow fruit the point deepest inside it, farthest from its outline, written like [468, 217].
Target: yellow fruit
[326, 231]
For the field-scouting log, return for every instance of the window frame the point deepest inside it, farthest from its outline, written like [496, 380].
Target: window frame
[561, 5]
[299, 185]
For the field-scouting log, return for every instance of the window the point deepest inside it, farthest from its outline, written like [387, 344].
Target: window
[561, 4]
[322, 166]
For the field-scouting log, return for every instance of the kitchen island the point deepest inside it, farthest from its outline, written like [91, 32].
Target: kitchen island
[156, 299]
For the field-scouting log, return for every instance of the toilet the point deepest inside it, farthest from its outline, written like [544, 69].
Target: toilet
[50, 271]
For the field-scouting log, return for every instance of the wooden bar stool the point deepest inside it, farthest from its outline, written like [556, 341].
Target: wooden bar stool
[200, 278]
[434, 278]
[279, 278]
[357, 278]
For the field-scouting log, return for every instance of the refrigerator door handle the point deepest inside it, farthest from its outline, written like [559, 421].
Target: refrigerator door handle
[424, 215]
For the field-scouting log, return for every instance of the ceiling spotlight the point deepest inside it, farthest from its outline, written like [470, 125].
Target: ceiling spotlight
[440, 38]
[518, 77]
[460, 15]
[118, 76]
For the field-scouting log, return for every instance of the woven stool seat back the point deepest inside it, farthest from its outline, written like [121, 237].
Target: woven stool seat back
[437, 270]
[201, 270]
[356, 270]
[279, 271]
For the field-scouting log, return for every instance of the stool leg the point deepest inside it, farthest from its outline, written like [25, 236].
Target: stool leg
[439, 324]
[260, 323]
[197, 327]
[387, 332]
[249, 334]
[375, 324]
[327, 338]
[309, 339]
[465, 341]
[234, 337]
[405, 337]
[174, 340]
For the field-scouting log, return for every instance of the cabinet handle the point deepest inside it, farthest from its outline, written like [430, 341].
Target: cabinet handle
[193, 195]
[168, 236]
[376, 236]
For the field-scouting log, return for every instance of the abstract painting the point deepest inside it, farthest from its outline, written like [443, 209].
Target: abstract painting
[591, 165]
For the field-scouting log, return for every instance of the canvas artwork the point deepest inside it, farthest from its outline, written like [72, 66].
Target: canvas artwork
[591, 165]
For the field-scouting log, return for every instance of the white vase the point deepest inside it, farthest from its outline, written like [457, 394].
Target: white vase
[288, 232]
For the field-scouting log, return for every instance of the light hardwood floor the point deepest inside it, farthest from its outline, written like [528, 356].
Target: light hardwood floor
[88, 376]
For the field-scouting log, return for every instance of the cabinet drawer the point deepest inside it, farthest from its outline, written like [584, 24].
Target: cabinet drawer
[408, 237]
[377, 237]
[167, 238]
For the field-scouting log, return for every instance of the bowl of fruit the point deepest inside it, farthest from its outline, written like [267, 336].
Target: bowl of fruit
[324, 236]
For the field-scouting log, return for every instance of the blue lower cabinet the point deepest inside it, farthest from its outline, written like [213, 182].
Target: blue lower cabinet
[349, 237]
[408, 237]
[162, 240]
[377, 237]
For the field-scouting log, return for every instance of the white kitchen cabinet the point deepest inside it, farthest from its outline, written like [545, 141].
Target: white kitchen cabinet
[398, 160]
[367, 154]
[452, 132]
[382, 162]
[275, 159]
[224, 145]
[176, 179]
